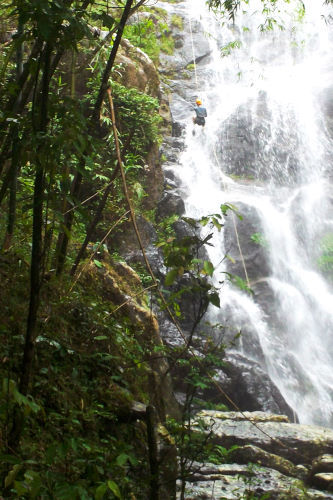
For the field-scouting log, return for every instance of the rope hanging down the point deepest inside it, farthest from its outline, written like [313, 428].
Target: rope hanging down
[193, 55]
[236, 230]
[224, 184]
[167, 308]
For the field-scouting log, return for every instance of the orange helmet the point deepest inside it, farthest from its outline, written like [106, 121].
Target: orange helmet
[198, 101]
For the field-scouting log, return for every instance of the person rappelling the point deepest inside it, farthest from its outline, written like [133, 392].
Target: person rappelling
[200, 114]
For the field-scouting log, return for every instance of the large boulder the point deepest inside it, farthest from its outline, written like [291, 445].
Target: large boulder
[252, 454]
[267, 460]
[137, 69]
[170, 204]
[321, 473]
[247, 383]
[233, 481]
[298, 443]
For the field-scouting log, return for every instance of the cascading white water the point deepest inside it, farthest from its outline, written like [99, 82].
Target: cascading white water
[276, 79]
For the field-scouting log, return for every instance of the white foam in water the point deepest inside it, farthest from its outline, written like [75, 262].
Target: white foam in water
[291, 69]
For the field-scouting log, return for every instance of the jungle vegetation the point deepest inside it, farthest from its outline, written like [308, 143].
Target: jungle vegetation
[71, 367]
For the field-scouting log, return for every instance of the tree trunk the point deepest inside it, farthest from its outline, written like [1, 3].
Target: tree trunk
[36, 261]
[109, 65]
[12, 191]
[93, 223]
[98, 213]
[151, 420]
[63, 238]
[16, 147]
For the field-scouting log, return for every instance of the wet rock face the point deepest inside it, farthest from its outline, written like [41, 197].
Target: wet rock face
[295, 442]
[170, 204]
[252, 454]
[324, 463]
[183, 56]
[232, 482]
[267, 460]
[245, 381]
[251, 388]
[248, 149]
[321, 474]
[326, 104]
[177, 69]
[245, 233]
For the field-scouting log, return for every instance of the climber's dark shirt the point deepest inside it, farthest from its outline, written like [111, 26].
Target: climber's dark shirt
[200, 111]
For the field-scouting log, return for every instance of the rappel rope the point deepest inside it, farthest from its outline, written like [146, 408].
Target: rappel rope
[215, 383]
[235, 228]
[193, 55]
[155, 282]
[224, 184]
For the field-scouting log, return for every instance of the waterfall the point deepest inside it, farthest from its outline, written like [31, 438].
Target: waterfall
[267, 149]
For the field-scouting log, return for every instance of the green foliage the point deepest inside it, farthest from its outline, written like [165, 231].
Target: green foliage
[88, 361]
[167, 42]
[209, 405]
[177, 21]
[181, 255]
[50, 20]
[143, 274]
[165, 229]
[89, 367]
[194, 438]
[259, 239]
[143, 35]
[238, 282]
[189, 275]
[138, 119]
[193, 444]
[10, 396]
[226, 50]
[221, 455]
[227, 7]
[152, 34]
[325, 260]
[190, 67]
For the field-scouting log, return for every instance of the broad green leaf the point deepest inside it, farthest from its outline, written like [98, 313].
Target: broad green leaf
[34, 481]
[65, 491]
[122, 459]
[214, 299]
[51, 453]
[98, 263]
[21, 488]
[11, 476]
[190, 221]
[114, 488]
[217, 224]
[209, 237]
[171, 276]
[100, 491]
[240, 283]
[208, 267]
